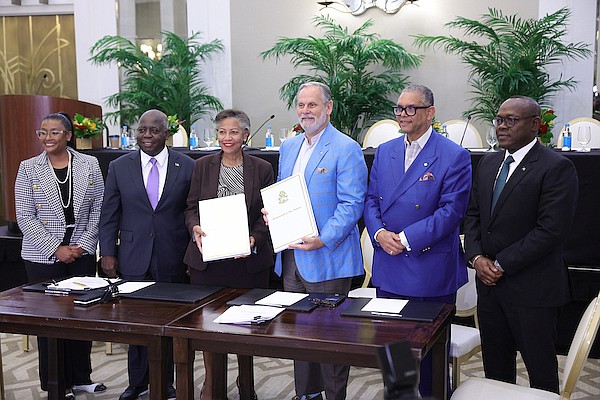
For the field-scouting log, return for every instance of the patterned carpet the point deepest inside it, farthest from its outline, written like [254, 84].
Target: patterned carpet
[273, 377]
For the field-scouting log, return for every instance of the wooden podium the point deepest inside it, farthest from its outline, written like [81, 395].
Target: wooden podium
[20, 116]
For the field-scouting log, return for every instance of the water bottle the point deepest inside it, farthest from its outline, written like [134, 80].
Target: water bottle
[193, 139]
[567, 138]
[444, 131]
[124, 138]
[269, 137]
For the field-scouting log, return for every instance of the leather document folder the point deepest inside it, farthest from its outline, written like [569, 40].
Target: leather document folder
[179, 292]
[413, 311]
[304, 305]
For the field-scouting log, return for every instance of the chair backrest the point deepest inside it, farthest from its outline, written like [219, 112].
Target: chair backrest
[580, 347]
[582, 123]
[381, 132]
[367, 254]
[455, 129]
[466, 296]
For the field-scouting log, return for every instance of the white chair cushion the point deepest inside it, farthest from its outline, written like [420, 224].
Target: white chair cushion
[489, 389]
[463, 339]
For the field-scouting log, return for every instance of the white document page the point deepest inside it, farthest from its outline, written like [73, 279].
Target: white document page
[290, 212]
[130, 287]
[248, 314]
[225, 222]
[81, 283]
[388, 306]
[282, 299]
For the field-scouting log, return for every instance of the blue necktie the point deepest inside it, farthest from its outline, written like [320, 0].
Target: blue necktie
[501, 181]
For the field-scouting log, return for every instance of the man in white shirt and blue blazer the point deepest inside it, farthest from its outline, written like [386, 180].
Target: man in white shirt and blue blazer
[336, 177]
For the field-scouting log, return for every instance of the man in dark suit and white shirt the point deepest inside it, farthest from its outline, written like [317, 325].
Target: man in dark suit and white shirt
[143, 208]
[521, 208]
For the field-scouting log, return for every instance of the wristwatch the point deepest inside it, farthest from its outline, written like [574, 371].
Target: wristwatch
[472, 260]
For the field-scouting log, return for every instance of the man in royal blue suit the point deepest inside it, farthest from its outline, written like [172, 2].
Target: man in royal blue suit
[521, 209]
[336, 177]
[418, 193]
[143, 208]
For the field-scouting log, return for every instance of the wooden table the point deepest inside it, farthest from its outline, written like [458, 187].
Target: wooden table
[131, 321]
[322, 336]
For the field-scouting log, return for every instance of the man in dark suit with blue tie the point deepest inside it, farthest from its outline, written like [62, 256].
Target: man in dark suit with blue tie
[521, 208]
[143, 209]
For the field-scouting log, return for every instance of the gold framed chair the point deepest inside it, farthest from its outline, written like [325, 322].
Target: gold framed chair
[489, 389]
[381, 132]
[465, 341]
[455, 129]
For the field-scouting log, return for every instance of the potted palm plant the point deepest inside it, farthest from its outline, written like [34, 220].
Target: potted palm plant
[171, 83]
[511, 58]
[361, 69]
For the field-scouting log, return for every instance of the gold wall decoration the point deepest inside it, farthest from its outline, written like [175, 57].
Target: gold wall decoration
[37, 55]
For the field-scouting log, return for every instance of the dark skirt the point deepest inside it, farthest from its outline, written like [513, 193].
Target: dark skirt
[230, 273]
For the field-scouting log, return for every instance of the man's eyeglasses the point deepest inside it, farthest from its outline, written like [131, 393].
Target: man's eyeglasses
[509, 121]
[53, 134]
[155, 130]
[409, 110]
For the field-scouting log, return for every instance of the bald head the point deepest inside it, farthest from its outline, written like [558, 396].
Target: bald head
[152, 132]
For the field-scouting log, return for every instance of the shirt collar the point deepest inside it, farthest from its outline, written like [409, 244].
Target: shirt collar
[422, 140]
[315, 139]
[520, 154]
[161, 157]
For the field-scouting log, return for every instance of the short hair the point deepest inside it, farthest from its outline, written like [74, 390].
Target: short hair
[325, 91]
[164, 120]
[64, 119]
[532, 105]
[424, 91]
[237, 114]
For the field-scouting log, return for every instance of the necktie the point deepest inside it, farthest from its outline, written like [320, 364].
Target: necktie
[152, 184]
[501, 181]
[411, 154]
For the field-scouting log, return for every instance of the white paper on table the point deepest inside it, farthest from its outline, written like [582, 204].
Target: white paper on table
[130, 287]
[391, 306]
[225, 222]
[363, 292]
[248, 314]
[282, 299]
[82, 283]
[290, 212]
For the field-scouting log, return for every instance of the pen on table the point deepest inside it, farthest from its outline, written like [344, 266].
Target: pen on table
[384, 314]
[56, 292]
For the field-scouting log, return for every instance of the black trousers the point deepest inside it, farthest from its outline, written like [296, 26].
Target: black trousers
[76, 354]
[137, 356]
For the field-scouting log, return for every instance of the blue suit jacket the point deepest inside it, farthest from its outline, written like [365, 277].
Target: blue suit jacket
[336, 177]
[428, 203]
[145, 233]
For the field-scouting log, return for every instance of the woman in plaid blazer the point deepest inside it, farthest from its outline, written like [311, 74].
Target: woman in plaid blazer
[58, 198]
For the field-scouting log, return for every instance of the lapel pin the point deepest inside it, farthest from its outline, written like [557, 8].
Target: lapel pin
[425, 164]
[177, 164]
[523, 169]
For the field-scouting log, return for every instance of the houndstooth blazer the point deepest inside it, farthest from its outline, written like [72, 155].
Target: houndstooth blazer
[39, 210]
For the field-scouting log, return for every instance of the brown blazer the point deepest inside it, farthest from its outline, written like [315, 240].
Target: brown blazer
[258, 174]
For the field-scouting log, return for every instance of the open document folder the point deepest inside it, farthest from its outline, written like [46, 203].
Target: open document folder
[225, 222]
[248, 314]
[290, 212]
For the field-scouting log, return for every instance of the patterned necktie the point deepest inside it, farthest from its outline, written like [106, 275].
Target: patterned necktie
[152, 185]
[501, 181]
[411, 154]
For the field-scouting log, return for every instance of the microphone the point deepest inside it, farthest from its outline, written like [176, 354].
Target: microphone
[465, 131]
[41, 83]
[256, 131]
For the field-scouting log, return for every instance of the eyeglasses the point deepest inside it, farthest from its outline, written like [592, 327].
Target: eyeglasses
[223, 132]
[409, 110]
[509, 121]
[54, 134]
[155, 130]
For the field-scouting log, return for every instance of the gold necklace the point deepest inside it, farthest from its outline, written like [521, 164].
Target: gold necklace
[58, 182]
